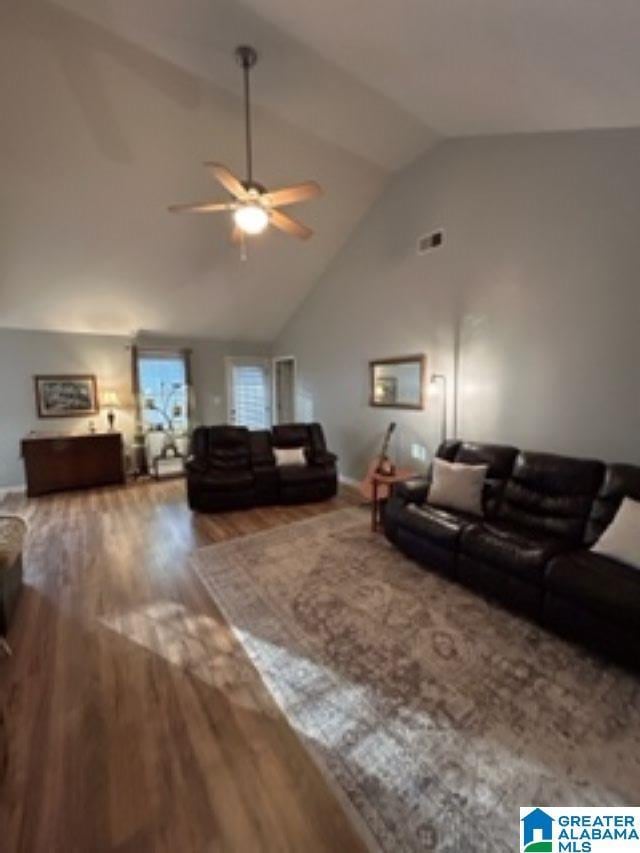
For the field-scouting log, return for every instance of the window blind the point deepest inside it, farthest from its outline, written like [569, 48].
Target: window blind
[250, 396]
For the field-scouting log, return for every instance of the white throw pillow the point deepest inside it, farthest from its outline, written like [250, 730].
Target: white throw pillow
[290, 456]
[457, 486]
[621, 539]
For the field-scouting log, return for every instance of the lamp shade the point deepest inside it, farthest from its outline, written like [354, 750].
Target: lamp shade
[111, 399]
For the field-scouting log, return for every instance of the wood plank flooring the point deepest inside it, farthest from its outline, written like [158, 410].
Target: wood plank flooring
[114, 734]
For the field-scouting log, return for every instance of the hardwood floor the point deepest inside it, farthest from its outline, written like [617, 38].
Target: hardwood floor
[110, 737]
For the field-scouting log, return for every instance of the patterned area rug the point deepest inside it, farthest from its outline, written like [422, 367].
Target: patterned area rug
[436, 713]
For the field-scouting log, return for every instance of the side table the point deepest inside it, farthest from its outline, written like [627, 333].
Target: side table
[381, 487]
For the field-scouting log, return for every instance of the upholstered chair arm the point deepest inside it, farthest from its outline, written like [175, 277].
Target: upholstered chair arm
[321, 457]
[195, 465]
[413, 491]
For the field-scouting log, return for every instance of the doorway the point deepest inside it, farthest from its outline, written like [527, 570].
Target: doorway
[284, 389]
[249, 392]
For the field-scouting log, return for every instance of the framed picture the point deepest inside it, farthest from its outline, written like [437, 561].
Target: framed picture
[398, 383]
[66, 395]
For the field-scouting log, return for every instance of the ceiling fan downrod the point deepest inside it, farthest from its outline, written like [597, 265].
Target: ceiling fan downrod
[247, 58]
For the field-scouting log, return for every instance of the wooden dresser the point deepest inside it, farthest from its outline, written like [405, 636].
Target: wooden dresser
[56, 462]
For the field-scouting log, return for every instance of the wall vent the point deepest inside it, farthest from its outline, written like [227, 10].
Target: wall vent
[430, 241]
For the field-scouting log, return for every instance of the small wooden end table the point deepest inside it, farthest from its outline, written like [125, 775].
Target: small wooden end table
[381, 488]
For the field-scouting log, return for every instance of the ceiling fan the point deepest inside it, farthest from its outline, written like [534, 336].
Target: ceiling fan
[253, 206]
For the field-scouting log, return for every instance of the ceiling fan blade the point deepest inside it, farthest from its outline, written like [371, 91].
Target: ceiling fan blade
[289, 225]
[293, 194]
[227, 179]
[200, 207]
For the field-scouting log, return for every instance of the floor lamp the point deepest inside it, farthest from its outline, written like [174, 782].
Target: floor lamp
[440, 378]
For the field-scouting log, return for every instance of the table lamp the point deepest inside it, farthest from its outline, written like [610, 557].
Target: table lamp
[112, 401]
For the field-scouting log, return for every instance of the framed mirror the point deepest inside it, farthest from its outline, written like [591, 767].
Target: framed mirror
[397, 383]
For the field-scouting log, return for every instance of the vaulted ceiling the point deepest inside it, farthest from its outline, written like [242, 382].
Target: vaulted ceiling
[109, 108]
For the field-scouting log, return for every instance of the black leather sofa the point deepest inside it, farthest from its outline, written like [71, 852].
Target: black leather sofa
[530, 550]
[231, 467]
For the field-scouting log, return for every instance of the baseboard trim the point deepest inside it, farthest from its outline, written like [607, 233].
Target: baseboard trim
[18, 489]
[348, 481]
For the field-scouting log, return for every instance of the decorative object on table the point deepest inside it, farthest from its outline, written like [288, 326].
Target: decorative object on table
[66, 395]
[57, 462]
[397, 383]
[435, 380]
[112, 401]
[168, 404]
[380, 490]
[435, 712]
[253, 207]
[380, 465]
[165, 453]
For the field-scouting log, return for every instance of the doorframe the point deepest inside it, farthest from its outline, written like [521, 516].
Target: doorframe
[229, 362]
[274, 387]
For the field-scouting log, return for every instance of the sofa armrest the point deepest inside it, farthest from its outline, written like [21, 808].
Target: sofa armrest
[413, 491]
[323, 457]
[193, 465]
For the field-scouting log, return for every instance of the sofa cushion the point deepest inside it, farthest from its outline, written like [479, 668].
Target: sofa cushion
[551, 494]
[620, 481]
[221, 480]
[290, 474]
[228, 458]
[291, 435]
[442, 526]
[208, 439]
[286, 456]
[606, 587]
[457, 486]
[498, 458]
[448, 449]
[621, 539]
[517, 550]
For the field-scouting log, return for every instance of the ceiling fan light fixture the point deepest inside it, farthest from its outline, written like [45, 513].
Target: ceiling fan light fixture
[254, 206]
[251, 218]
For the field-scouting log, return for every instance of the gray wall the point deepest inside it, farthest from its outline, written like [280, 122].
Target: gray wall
[24, 354]
[535, 295]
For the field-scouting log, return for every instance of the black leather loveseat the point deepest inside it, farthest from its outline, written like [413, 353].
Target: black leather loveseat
[231, 467]
[542, 512]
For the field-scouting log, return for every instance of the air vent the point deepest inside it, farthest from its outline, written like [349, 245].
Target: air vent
[430, 241]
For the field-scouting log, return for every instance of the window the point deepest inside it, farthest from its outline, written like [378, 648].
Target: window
[163, 387]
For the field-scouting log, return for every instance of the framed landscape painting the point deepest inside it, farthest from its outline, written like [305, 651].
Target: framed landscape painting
[66, 395]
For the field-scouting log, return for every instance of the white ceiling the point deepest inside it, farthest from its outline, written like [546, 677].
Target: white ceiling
[482, 66]
[110, 106]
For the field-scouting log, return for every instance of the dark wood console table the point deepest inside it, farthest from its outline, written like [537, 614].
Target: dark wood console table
[56, 462]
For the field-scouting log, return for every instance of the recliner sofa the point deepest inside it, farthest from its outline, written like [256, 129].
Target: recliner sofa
[530, 549]
[232, 467]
